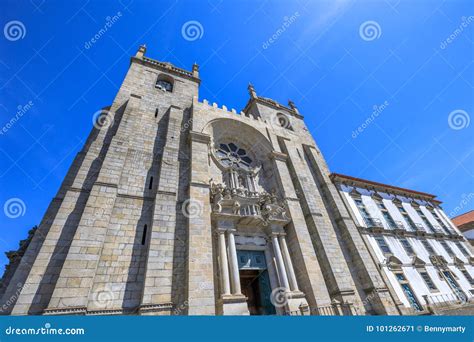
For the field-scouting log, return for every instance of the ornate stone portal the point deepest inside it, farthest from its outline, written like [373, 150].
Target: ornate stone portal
[241, 210]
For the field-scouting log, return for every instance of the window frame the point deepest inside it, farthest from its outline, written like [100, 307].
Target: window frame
[434, 288]
[463, 249]
[379, 239]
[408, 248]
[425, 243]
[447, 248]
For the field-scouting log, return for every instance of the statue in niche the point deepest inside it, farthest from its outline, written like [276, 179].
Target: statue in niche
[236, 208]
[241, 182]
[257, 175]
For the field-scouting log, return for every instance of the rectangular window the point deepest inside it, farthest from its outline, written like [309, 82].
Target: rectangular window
[468, 276]
[441, 223]
[400, 277]
[462, 249]
[428, 247]
[406, 217]
[363, 211]
[427, 279]
[411, 297]
[409, 221]
[408, 292]
[447, 248]
[383, 245]
[388, 218]
[425, 220]
[407, 246]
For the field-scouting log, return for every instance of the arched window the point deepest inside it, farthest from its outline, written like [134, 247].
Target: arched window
[165, 83]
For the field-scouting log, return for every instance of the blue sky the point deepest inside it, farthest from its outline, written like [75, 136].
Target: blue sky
[335, 59]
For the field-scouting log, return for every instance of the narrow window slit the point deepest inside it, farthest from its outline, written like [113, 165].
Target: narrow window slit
[151, 183]
[144, 234]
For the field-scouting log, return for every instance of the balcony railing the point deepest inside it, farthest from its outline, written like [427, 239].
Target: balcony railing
[335, 309]
[251, 207]
[437, 230]
[445, 300]
[373, 223]
[451, 233]
[396, 225]
[419, 229]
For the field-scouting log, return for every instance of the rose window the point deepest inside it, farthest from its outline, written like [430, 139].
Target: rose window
[231, 155]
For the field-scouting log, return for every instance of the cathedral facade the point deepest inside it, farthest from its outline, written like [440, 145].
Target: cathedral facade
[176, 206]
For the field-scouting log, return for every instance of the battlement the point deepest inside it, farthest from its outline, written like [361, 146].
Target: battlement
[254, 98]
[165, 66]
[225, 110]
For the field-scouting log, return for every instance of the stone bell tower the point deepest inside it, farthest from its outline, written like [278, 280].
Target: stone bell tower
[113, 240]
[177, 206]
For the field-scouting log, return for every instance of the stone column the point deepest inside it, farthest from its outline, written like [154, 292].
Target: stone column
[280, 263]
[223, 263]
[233, 181]
[234, 266]
[288, 263]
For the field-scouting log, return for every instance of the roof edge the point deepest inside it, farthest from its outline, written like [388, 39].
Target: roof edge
[337, 177]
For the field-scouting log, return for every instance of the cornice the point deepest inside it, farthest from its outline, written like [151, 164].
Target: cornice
[166, 67]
